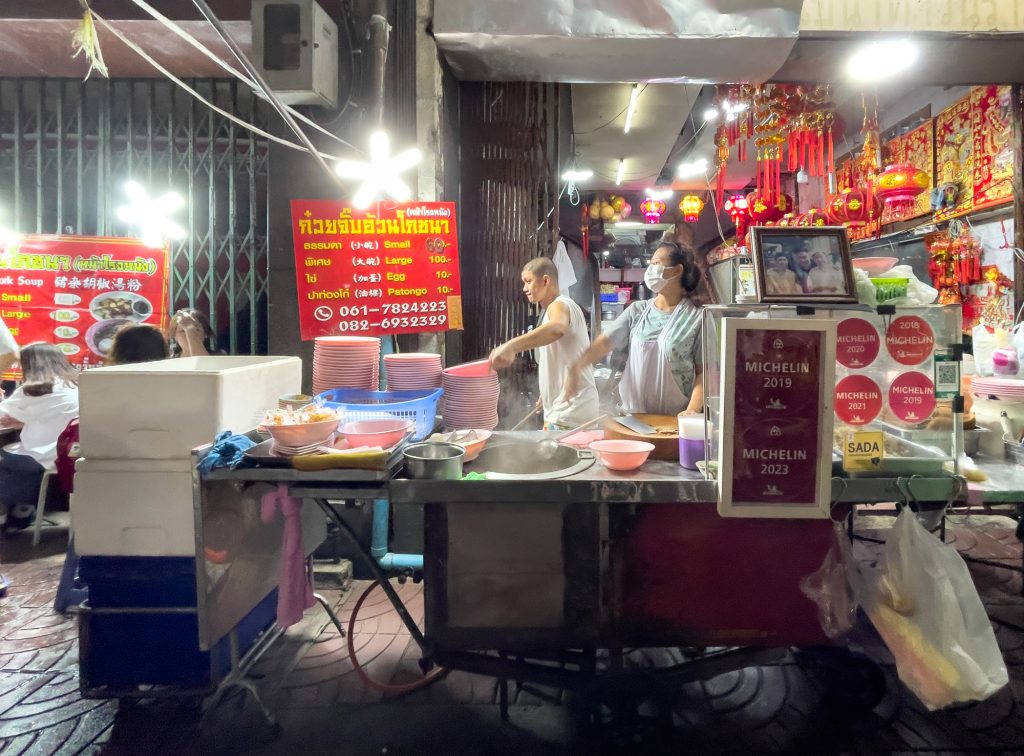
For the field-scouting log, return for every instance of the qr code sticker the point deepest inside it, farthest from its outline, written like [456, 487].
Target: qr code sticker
[947, 373]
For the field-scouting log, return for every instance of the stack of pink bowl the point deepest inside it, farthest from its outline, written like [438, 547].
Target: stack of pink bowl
[470, 396]
[413, 371]
[345, 362]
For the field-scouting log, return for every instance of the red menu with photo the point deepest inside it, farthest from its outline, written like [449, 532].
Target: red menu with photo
[392, 268]
[77, 291]
[775, 380]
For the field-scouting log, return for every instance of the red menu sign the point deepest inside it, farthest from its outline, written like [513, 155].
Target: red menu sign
[392, 268]
[775, 455]
[77, 291]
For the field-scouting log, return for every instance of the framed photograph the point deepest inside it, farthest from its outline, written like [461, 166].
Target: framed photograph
[803, 265]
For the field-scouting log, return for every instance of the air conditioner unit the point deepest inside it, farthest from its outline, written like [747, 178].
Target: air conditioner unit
[295, 47]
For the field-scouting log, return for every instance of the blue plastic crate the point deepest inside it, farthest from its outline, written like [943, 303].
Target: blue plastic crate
[361, 404]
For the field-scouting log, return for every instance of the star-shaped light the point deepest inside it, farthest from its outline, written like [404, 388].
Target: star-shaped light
[152, 217]
[382, 174]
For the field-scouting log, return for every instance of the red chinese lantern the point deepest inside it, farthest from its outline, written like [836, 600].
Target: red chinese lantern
[690, 206]
[762, 210]
[652, 209]
[813, 217]
[736, 207]
[899, 185]
[851, 208]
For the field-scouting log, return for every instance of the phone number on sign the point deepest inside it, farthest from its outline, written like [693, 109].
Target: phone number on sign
[410, 321]
[401, 308]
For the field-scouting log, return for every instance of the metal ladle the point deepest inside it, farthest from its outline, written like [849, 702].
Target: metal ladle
[548, 447]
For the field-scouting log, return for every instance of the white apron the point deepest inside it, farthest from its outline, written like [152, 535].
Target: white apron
[647, 382]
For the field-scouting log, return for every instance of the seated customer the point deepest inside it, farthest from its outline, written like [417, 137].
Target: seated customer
[191, 335]
[42, 407]
[137, 343]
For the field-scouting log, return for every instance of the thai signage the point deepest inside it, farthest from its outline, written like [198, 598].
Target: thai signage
[77, 291]
[777, 386]
[393, 268]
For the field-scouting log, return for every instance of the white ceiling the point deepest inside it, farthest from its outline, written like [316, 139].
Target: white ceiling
[599, 115]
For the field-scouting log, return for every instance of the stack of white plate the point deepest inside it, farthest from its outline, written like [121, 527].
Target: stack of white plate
[282, 450]
[470, 396]
[1009, 389]
[345, 362]
[293, 401]
[412, 371]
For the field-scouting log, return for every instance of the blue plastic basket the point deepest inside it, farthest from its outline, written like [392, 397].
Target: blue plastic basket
[360, 404]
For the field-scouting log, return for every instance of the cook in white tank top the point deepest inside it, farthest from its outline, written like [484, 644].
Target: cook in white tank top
[559, 339]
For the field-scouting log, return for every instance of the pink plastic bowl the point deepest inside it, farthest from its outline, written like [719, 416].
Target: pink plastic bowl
[303, 435]
[382, 433]
[619, 454]
[875, 266]
[478, 368]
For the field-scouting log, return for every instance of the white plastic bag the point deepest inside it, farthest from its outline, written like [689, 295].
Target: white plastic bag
[923, 603]
[984, 342]
[829, 588]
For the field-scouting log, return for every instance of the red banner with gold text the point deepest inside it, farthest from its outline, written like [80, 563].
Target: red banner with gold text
[393, 268]
[77, 291]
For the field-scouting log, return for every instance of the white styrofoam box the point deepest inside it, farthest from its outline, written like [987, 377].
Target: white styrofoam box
[133, 507]
[162, 410]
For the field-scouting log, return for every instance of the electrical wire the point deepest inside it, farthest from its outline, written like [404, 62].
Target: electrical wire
[173, 27]
[614, 118]
[230, 116]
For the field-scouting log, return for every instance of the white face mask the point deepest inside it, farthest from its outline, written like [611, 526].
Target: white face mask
[653, 277]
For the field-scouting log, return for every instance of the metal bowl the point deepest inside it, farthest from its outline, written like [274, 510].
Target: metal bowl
[432, 460]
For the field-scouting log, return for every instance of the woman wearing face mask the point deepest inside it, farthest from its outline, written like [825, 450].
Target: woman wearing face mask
[664, 372]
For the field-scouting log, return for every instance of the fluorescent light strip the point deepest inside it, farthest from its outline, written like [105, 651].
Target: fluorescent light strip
[618, 173]
[632, 106]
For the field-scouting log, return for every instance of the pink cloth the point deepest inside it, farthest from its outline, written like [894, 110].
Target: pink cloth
[294, 588]
[582, 439]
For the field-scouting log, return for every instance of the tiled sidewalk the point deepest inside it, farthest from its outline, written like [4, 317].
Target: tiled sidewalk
[816, 702]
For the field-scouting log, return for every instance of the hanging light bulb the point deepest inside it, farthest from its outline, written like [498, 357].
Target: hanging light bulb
[151, 217]
[381, 174]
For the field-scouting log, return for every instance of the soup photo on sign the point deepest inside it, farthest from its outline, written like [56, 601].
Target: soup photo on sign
[120, 304]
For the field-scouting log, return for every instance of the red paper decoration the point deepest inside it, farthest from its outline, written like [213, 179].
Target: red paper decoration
[899, 185]
[736, 206]
[652, 209]
[690, 206]
[763, 211]
[851, 208]
[813, 217]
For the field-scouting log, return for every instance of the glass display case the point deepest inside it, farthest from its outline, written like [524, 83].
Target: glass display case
[897, 373]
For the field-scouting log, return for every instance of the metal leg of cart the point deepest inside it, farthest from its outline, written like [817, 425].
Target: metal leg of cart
[240, 667]
[378, 574]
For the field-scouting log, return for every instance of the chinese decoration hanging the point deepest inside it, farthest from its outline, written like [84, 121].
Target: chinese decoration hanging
[690, 206]
[652, 209]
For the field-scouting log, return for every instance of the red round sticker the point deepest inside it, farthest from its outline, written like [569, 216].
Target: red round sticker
[912, 397]
[857, 343]
[858, 400]
[910, 340]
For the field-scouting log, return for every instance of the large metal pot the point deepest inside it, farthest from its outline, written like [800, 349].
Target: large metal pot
[431, 460]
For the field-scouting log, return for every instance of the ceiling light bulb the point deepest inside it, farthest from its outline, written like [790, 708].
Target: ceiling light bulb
[631, 107]
[618, 173]
[381, 174]
[576, 175]
[881, 60]
[710, 114]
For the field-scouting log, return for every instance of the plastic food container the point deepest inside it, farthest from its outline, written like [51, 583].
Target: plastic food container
[383, 433]
[302, 434]
[890, 288]
[621, 454]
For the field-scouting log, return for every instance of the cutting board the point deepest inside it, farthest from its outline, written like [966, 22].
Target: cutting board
[666, 445]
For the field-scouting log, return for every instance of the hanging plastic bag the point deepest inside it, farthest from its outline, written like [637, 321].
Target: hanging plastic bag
[829, 588]
[984, 342]
[924, 604]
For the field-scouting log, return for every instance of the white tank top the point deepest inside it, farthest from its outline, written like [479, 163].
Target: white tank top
[553, 362]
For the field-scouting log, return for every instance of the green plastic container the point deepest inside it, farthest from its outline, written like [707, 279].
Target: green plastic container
[890, 288]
